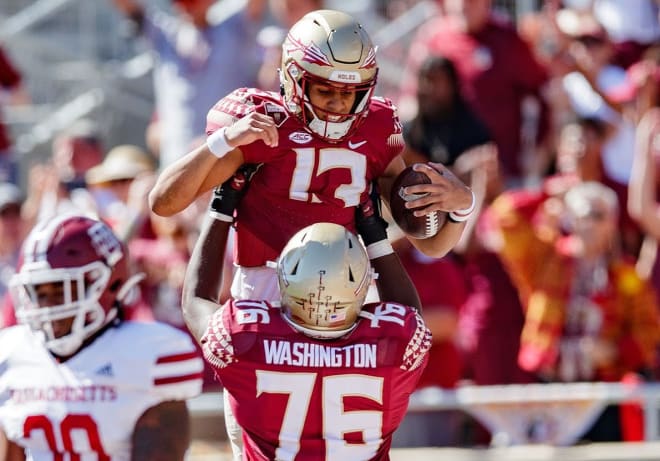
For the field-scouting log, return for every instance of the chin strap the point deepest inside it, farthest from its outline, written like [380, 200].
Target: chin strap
[330, 130]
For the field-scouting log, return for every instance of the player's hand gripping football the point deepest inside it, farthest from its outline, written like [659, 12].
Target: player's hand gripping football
[228, 195]
[368, 219]
[445, 192]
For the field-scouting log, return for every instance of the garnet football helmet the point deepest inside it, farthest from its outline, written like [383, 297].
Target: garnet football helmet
[331, 48]
[324, 275]
[91, 264]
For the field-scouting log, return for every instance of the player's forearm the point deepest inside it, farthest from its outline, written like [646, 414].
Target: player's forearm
[642, 204]
[203, 278]
[162, 433]
[180, 183]
[442, 242]
[393, 283]
[9, 451]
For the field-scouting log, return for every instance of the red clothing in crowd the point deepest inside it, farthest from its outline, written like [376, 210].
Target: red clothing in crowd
[490, 323]
[497, 71]
[9, 78]
[441, 286]
[544, 271]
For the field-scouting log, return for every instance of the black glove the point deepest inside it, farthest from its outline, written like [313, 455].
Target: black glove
[228, 195]
[368, 219]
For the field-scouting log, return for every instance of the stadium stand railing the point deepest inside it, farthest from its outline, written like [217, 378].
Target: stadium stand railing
[556, 414]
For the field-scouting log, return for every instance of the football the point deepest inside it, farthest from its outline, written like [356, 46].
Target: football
[419, 227]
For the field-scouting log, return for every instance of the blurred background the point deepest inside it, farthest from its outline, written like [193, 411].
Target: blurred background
[544, 317]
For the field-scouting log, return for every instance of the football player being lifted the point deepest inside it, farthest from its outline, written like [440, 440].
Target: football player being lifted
[316, 375]
[76, 381]
[320, 145]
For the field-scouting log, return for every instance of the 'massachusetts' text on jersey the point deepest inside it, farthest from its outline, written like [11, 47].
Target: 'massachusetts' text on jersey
[301, 399]
[86, 408]
[304, 179]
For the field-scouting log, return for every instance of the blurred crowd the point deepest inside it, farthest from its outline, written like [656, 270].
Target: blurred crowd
[553, 120]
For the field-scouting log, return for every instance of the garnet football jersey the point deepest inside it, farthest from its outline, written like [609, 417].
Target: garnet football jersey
[88, 405]
[298, 398]
[304, 179]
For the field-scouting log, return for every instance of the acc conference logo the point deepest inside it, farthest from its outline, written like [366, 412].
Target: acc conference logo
[300, 137]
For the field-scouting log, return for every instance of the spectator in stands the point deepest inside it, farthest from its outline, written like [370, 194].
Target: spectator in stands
[10, 82]
[579, 149]
[491, 318]
[446, 130]
[162, 258]
[285, 13]
[120, 185]
[580, 158]
[643, 198]
[445, 126]
[588, 314]
[444, 369]
[202, 53]
[633, 26]
[497, 71]
[58, 186]
[12, 232]
[590, 52]
[632, 98]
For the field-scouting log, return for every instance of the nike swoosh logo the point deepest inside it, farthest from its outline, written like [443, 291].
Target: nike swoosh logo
[356, 145]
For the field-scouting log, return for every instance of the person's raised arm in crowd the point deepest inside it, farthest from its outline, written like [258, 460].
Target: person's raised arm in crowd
[642, 200]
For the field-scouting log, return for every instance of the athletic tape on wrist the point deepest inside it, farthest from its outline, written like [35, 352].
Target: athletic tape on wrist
[380, 248]
[463, 215]
[221, 216]
[217, 143]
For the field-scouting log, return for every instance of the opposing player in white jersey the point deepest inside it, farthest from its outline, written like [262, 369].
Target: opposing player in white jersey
[318, 376]
[76, 381]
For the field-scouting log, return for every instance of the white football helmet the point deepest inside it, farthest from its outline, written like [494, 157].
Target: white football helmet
[324, 275]
[90, 263]
[332, 48]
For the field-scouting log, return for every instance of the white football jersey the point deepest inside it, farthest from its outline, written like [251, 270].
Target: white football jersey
[88, 405]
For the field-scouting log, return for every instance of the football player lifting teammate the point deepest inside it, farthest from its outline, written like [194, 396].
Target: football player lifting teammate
[320, 145]
[317, 374]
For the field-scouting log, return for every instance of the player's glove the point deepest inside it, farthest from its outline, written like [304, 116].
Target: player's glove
[368, 218]
[228, 195]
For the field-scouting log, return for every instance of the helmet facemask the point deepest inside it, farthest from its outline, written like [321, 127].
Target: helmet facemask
[324, 275]
[82, 287]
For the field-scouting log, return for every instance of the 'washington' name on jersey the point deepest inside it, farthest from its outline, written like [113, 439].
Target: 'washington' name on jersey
[299, 398]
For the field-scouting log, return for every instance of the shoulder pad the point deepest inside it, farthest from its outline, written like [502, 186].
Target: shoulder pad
[384, 107]
[404, 322]
[175, 365]
[242, 102]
